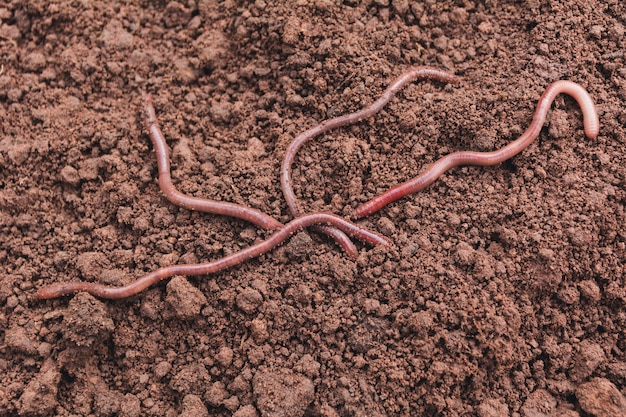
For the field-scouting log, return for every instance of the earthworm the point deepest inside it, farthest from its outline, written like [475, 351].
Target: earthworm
[591, 126]
[206, 205]
[192, 203]
[290, 154]
[103, 291]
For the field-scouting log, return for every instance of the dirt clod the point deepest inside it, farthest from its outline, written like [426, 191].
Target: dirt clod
[539, 403]
[193, 407]
[191, 379]
[246, 411]
[249, 300]
[185, 299]
[87, 321]
[282, 393]
[590, 355]
[40, 395]
[18, 340]
[492, 407]
[601, 398]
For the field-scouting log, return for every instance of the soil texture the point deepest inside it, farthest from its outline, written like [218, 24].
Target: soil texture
[502, 294]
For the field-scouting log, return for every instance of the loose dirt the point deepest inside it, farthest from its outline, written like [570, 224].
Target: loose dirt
[503, 293]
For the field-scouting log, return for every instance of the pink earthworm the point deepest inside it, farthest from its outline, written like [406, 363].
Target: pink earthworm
[591, 126]
[290, 154]
[278, 237]
[193, 203]
[205, 205]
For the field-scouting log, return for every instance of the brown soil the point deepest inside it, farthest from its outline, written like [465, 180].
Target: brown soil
[503, 294]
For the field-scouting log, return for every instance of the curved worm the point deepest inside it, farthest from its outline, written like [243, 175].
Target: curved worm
[103, 291]
[591, 125]
[205, 205]
[192, 203]
[290, 154]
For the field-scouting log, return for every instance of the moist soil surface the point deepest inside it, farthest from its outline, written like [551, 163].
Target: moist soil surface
[502, 292]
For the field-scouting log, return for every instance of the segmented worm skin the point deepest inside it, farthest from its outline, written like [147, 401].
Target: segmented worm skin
[107, 292]
[192, 203]
[591, 126]
[290, 154]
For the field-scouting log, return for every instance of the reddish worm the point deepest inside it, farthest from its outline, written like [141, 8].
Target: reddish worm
[210, 206]
[206, 205]
[193, 203]
[103, 291]
[591, 126]
[290, 154]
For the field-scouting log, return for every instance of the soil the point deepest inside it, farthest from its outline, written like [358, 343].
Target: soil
[503, 293]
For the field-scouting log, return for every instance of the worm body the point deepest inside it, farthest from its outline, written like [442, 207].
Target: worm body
[290, 154]
[331, 224]
[207, 205]
[591, 127]
[103, 291]
[192, 203]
